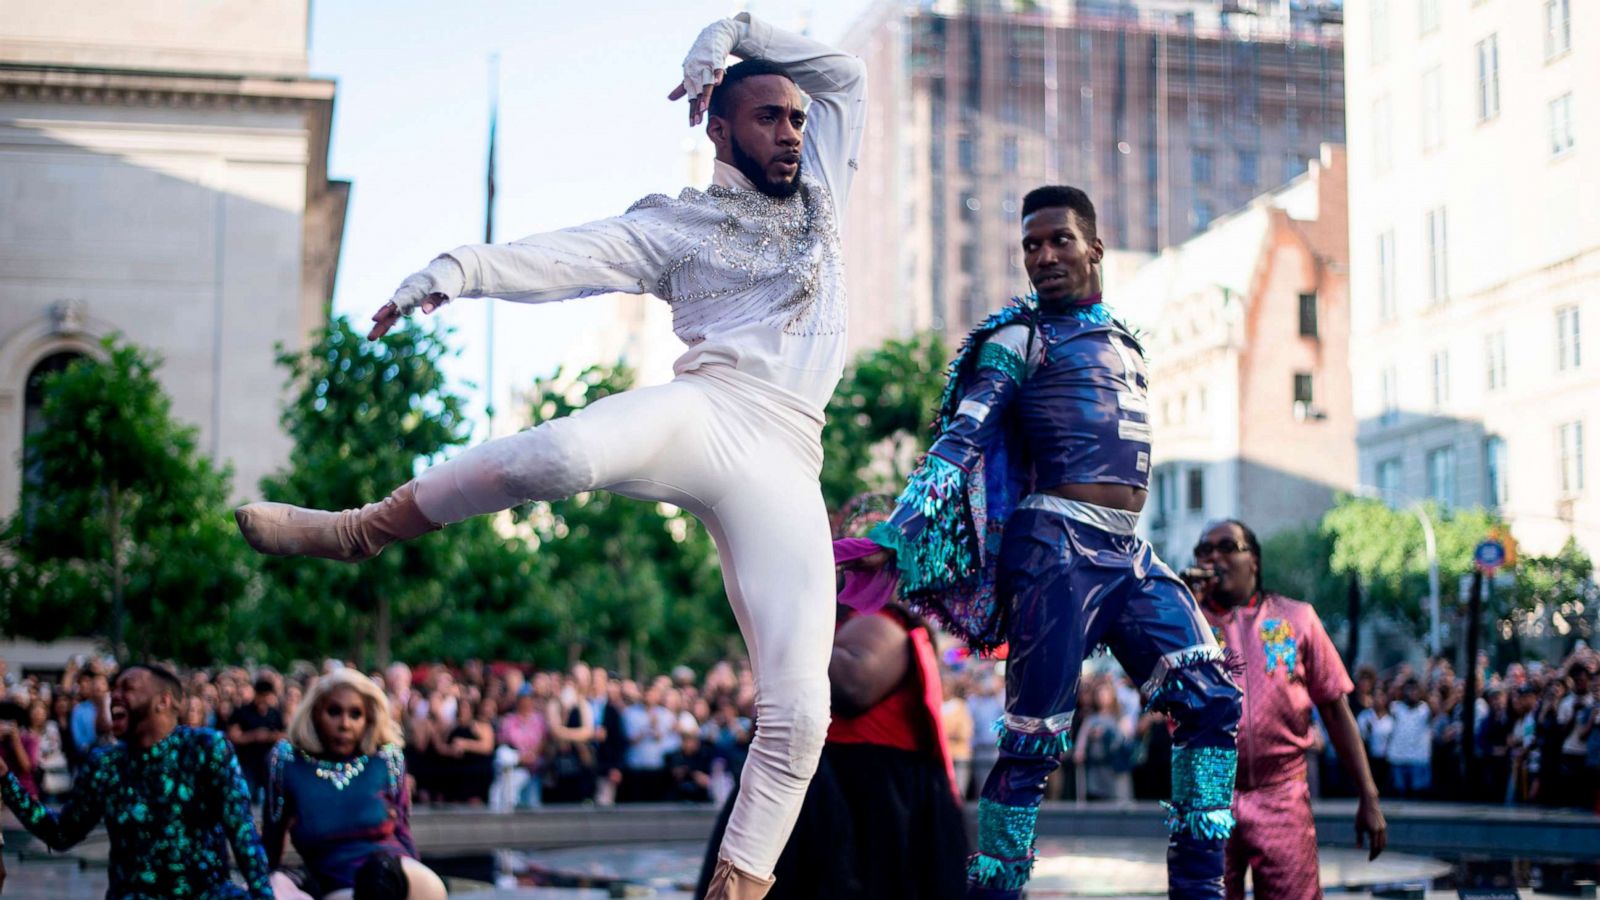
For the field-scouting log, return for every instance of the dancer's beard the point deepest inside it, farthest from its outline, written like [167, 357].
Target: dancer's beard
[757, 173]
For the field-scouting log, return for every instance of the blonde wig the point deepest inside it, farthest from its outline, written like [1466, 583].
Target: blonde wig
[381, 728]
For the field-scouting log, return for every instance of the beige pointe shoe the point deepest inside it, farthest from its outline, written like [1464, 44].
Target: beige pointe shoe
[729, 883]
[351, 535]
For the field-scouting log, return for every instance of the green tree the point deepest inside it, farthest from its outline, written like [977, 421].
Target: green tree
[364, 414]
[637, 584]
[1296, 564]
[1560, 583]
[1385, 547]
[124, 532]
[878, 419]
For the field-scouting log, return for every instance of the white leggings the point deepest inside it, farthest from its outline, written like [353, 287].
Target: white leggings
[744, 457]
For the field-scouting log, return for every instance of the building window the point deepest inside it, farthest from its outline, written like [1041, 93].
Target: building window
[1494, 354]
[1390, 390]
[1199, 117]
[1164, 497]
[1008, 154]
[1386, 261]
[1197, 489]
[1308, 315]
[1202, 214]
[1495, 469]
[1488, 52]
[1442, 475]
[1441, 379]
[1200, 163]
[1438, 257]
[1429, 16]
[1388, 479]
[33, 412]
[1557, 27]
[1247, 168]
[967, 153]
[1432, 109]
[969, 258]
[1560, 124]
[1570, 438]
[1382, 134]
[1303, 396]
[1380, 31]
[1569, 347]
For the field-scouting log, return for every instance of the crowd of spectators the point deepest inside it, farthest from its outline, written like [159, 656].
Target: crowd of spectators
[508, 737]
[499, 734]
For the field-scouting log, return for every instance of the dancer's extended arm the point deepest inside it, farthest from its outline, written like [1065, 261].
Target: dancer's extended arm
[76, 818]
[1004, 361]
[871, 656]
[225, 782]
[1371, 829]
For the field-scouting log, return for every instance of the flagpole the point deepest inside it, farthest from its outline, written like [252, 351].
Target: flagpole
[488, 238]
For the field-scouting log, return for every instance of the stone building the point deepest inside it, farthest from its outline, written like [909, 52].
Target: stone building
[163, 176]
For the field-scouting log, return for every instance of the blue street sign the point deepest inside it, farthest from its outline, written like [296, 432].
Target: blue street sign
[1489, 556]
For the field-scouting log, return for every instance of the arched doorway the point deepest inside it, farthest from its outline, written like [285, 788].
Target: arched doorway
[33, 420]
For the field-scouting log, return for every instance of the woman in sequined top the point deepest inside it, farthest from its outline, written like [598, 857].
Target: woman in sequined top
[337, 788]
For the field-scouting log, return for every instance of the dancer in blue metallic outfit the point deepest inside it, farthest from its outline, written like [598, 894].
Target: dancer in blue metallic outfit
[1018, 529]
[173, 800]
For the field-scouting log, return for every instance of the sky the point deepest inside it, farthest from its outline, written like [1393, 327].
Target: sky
[585, 129]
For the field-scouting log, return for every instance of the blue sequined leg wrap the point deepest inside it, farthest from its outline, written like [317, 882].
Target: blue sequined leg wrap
[1202, 792]
[1004, 860]
[1025, 743]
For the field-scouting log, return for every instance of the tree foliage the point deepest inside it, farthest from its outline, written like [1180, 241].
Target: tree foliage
[364, 414]
[124, 529]
[1295, 564]
[878, 418]
[1386, 548]
[1561, 584]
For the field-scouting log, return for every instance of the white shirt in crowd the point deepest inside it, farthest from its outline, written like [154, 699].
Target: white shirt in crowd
[1412, 740]
[1375, 732]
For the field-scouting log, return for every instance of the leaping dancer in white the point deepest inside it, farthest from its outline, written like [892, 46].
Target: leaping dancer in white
[752, 269]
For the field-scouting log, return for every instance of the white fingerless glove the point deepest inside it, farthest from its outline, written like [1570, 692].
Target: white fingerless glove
[710, 53]
[442, 280]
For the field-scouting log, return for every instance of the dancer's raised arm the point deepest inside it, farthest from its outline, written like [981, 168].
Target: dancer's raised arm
[835, 81]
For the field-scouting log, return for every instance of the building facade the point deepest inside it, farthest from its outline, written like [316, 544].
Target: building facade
[1168, 112]
[1246, 328]
[1475, 257]
[163, 172]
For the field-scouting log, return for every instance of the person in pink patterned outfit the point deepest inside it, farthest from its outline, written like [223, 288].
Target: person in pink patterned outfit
[1290, 668]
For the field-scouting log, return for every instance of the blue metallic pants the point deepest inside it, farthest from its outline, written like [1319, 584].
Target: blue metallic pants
[1072, 586]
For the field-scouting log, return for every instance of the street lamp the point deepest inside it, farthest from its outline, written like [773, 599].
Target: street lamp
[1417, 509]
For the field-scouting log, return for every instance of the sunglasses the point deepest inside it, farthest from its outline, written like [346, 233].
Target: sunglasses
[1226, 545]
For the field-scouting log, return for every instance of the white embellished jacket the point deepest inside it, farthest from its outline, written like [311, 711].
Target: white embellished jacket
[755, 282]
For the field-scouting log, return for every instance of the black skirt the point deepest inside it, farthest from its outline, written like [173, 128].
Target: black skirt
[877, 823]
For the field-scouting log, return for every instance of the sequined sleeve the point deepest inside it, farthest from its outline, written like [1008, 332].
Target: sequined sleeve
[626, 254]
[275, 810]
[394, 758]
[76, 818]
[233, 797]
[1003, 362]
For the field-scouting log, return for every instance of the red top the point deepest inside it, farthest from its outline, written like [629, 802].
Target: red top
[911, 717]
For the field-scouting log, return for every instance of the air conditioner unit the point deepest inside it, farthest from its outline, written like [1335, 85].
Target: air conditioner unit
[1304, 411]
